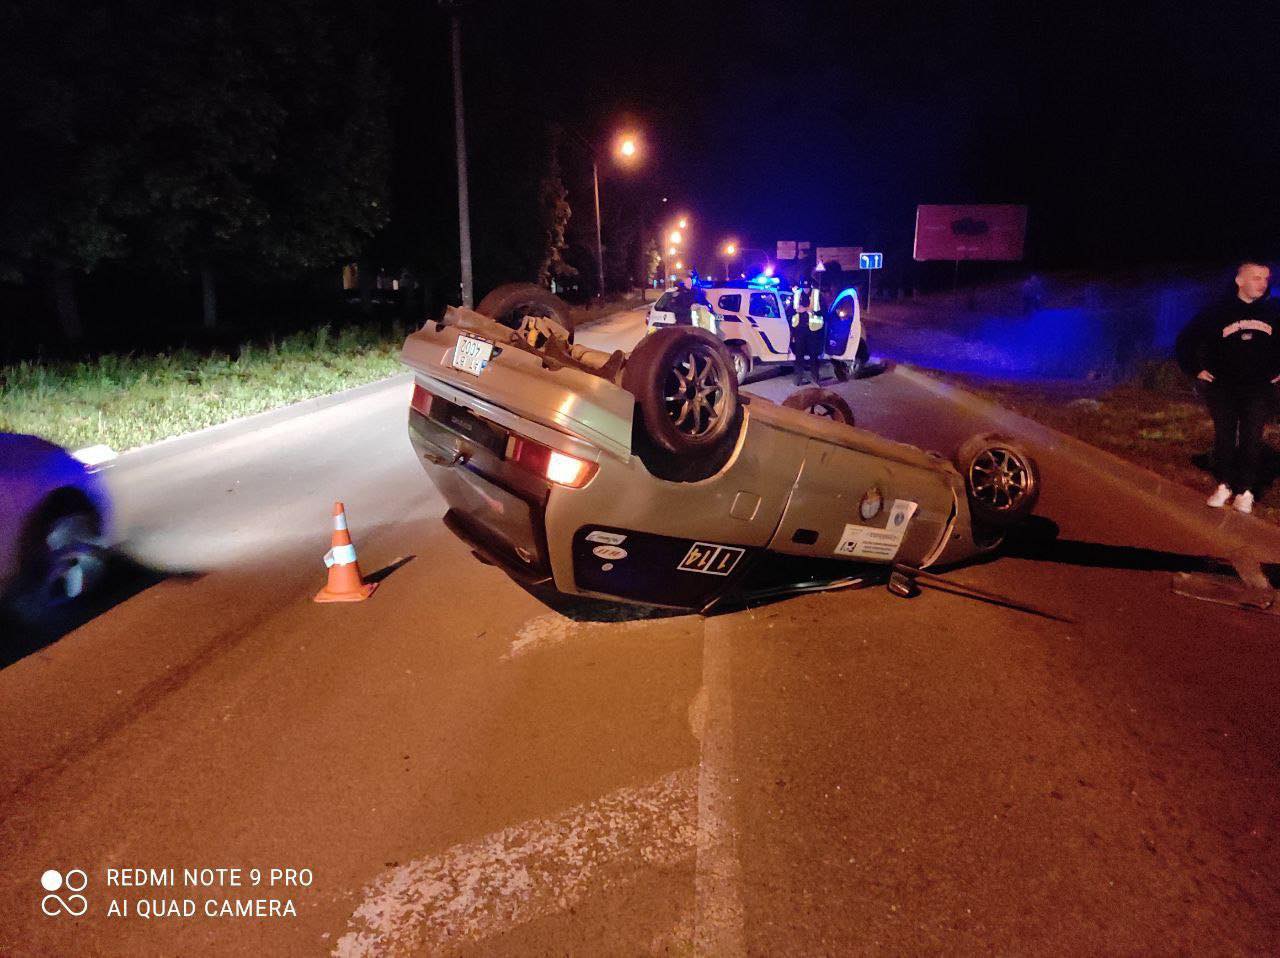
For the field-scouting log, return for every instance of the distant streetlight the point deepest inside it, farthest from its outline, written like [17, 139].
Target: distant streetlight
[679, 265]
[628, 146]
[674, 238]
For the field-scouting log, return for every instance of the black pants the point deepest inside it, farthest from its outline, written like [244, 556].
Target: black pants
[808, 346]
[1239, 416]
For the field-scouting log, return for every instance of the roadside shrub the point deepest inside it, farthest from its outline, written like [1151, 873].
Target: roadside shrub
[1164, 376]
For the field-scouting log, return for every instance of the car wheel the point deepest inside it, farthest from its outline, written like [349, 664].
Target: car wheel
[841, 369]
[512, 302]
[1001, 479]
[821, 402]
[741, 361]
[682, 378]
[64, 563]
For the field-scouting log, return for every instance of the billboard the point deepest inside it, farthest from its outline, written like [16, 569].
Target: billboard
[846, 256]
[791, 249]
[991, 232]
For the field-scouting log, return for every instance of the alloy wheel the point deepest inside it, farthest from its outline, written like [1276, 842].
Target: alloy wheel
[695, 395]
[1000, 479]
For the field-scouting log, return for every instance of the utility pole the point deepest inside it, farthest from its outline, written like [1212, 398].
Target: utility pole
[595, 180]
[460, 139]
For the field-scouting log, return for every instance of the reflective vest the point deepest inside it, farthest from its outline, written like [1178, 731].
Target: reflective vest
[811, 308]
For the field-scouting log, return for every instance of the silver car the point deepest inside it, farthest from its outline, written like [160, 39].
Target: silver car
[650, 479]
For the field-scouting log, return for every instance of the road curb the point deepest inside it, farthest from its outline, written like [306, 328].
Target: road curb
[144, 455]
[1178, 503]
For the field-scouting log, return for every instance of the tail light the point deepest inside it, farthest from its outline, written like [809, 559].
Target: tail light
[421, 401]
[551, 464]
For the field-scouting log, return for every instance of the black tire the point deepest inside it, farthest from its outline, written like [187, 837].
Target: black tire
[511, 302]
[1001, 478]
[682, 378]
[64, 562]
[742, 362]
[822, 403]
[841, 370]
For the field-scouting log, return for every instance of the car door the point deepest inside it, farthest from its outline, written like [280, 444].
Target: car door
[769, 318]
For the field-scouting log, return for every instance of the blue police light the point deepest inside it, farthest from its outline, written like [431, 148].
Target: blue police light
[765, 279]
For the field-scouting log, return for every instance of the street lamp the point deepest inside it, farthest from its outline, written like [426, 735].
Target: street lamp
[627, 147]
[730, 250]
[675, 237]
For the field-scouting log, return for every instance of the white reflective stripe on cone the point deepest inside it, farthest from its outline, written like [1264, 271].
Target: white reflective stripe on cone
[340, 555]
[340, 521]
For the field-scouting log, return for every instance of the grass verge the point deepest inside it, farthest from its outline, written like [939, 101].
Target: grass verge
[1154, 420]
[127, 401]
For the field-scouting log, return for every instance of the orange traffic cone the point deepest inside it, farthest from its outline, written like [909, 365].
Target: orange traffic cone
[345, 582]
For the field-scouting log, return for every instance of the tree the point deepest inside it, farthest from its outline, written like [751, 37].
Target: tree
[242, 136]
[65, 150]
[554, 212]
[263, 143]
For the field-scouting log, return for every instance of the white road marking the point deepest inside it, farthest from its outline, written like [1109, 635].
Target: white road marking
[718, 917]
[547, 631]
[538, 868]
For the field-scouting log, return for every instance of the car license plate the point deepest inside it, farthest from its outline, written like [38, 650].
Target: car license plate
[471, 355]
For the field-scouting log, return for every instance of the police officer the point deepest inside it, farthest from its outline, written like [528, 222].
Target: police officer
[808, 329]
[682, 304]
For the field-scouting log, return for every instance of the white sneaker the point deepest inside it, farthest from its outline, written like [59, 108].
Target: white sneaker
[1221, 496]
[1244, 502]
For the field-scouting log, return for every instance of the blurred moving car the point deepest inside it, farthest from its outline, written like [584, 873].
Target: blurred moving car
[55, 516]
[650, 479]
[754, 324]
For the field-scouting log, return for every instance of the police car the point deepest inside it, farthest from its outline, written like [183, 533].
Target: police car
[753, 320]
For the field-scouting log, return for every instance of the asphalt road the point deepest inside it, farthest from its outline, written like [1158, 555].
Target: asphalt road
[464, 770]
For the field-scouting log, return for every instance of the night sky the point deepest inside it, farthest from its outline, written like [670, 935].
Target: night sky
[1135, 132]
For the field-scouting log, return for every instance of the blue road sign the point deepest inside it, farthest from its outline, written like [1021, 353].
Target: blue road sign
[871, 261]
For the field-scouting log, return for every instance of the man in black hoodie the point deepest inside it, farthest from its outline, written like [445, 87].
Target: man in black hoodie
[1233, 350]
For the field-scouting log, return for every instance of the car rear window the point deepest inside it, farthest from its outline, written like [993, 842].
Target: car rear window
[664, 301]
[731, 303]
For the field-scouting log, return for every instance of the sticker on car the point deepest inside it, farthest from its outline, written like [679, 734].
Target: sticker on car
[606, 538]
[612, 553]
[872, 542]
[710, 559]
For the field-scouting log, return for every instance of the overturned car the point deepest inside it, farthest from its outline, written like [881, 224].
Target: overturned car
[651, 479]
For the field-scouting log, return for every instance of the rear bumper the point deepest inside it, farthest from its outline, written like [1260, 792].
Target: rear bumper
[504, 524]
[493, 550]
